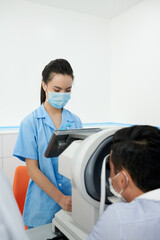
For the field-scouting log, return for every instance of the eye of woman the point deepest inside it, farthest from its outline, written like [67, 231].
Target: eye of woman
[56, 90]
[68, 90]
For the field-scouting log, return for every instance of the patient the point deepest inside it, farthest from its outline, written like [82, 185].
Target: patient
[11, 224]
[134, 177]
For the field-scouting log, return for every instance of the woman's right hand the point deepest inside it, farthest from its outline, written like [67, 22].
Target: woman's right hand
[66, 203]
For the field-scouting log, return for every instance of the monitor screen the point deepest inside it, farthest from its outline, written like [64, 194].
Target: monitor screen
[61, 139]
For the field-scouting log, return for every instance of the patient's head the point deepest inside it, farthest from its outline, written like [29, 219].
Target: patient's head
[136, 149]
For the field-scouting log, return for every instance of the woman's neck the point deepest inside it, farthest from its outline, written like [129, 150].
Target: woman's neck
[55, 114]
[51, 110]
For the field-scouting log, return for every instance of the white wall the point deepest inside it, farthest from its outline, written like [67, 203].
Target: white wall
[8, 163]
[135, 65]
[33, 34]
[116, 63]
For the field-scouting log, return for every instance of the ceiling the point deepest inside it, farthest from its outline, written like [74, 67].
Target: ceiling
[101, 8]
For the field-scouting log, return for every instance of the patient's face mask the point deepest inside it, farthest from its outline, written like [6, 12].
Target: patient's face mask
[58, 100]
[116, 194]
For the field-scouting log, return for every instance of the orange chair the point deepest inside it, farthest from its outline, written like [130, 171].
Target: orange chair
[20, 185]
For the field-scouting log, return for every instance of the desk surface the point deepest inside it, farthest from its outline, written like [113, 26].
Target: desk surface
[41, 233]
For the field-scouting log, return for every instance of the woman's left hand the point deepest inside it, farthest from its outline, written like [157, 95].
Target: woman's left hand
[66, 203]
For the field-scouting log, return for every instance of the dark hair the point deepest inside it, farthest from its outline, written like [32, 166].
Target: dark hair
[137, 149]
[61, 66]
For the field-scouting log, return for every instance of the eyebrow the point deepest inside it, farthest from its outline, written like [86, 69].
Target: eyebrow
[61, 88]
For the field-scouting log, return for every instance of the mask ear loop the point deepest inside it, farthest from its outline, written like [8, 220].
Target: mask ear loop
[103, 185]
[46, 92]
[126, 178]
[126, 182]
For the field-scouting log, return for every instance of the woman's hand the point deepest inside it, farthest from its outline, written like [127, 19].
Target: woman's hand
[66, 203]
[47, 186]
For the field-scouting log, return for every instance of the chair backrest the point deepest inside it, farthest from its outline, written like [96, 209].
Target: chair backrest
[20, 185]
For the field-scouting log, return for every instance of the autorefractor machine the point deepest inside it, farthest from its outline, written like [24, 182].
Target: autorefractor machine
[81, 158]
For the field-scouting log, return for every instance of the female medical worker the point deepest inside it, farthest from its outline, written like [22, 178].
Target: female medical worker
[48, 191]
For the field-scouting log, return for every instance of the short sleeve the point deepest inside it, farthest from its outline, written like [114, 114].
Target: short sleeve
[107, 227]
[78, 122]
[26, 145]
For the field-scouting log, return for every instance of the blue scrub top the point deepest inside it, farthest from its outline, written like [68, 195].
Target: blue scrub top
[34, 135]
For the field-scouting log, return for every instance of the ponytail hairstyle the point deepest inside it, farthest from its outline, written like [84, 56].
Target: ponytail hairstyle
[60, 66]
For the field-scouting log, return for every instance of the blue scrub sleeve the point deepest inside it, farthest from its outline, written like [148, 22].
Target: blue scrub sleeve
[78, 122]
[26, 145]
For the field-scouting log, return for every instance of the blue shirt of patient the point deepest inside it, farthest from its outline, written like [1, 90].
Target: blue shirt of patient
[34, 135]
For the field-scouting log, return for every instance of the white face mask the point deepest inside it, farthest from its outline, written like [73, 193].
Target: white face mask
[116, 194]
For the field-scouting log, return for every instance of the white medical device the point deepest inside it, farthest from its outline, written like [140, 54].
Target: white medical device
[82, 152]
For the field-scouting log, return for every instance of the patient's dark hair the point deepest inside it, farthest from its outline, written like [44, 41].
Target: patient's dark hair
[61, 66]
[137, 149]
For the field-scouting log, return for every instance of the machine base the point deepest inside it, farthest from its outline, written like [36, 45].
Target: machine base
[64, 222]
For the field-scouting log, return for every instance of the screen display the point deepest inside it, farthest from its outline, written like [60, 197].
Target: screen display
[61, 139]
